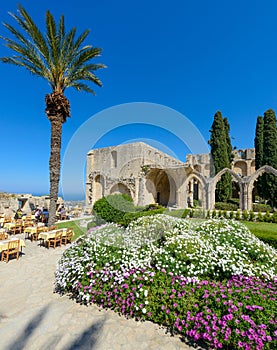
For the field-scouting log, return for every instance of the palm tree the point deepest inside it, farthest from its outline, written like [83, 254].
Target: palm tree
[64, 62]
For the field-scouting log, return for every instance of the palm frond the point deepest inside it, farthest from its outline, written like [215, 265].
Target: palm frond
[59, 57]
[82, 87]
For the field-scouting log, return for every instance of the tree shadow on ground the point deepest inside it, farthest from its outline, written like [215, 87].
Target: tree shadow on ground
[20, 342]
[86, 340]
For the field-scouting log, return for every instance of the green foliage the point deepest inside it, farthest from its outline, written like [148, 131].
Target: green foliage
[267, 232]
[231, 215]
[214, 214]
[112, 208]
[221, 154]
[260, 217]
[267, 217]
[270, 156]
[257, 207]
[128, 217]
[78, 231]
[238, 216]
[185, 213]
[208, 215]
[259, 143]
[251, 215]
[225, 206]
[274, 218]
[245, 215]
[225, 214]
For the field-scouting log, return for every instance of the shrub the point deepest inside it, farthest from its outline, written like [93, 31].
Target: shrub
[225, 214]
[260, 217]
[235, 201]
[231, 215]
[225, 206]
[214, 214]
[112, 208]
[185, 213]
[261, 207]
[245, 215]
[238, 216]
[267, 217]
[208, 215]
[251, 215]
[274, 217]
[128, 217]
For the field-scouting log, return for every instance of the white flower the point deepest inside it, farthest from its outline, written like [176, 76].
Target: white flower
[143, 310]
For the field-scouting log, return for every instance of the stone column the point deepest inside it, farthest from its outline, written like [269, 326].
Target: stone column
[141, 190]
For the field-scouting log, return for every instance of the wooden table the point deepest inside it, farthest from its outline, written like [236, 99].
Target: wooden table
[51, 234]
[4, 243]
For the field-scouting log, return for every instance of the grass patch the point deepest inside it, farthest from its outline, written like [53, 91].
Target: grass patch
[78, 230]
[175, 213]
[265, 231]
[262, 229]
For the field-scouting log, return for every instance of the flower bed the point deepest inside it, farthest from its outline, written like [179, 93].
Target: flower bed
[188, 277]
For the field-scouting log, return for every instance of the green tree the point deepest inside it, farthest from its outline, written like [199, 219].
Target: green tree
[228, 140]
[220, 157]
[63, 61]
[259, 144]
[270, 156]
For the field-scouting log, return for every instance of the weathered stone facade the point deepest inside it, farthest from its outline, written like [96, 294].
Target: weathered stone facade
[151, 176]
[9, 203]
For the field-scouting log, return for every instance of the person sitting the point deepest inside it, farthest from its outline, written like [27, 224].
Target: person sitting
[45, 215]
[37, 214]
[18, 214]
[62, 213]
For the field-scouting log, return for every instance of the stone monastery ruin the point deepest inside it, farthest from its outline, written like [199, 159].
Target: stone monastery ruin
[151, 176]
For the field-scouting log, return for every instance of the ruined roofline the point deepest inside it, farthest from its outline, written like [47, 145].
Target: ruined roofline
[145, 145]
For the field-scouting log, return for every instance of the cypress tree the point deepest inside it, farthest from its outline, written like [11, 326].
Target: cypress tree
[228, 140]
[270, 155]
[220, 157]
[259, 145]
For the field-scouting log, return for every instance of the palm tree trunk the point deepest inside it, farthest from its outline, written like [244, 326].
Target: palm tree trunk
[54, 167]
[57, 110]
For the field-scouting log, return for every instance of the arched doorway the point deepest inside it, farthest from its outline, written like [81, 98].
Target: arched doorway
[237, 189]
[253, 182]
[160, 188]
[195, 191]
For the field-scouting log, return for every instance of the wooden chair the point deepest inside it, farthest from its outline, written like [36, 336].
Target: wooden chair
[17, 228]
[57, 240]
[52, 228]
[13, 249]
[68, 237]
[34, 236]
[3, 235]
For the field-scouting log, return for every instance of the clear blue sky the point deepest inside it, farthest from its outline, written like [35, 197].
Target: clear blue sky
[195, 57]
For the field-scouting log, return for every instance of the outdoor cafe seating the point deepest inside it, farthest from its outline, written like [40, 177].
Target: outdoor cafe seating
[57, 237]
[10, 247]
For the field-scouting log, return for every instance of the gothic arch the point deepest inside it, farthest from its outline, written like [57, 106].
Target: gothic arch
[234, 176]
[226, 170]
[120, 187]
[160, 187]
[259, 172]
[240, 167]
[195, 190]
